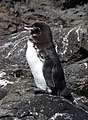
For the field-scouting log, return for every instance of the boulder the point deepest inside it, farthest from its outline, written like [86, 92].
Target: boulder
[40, 107]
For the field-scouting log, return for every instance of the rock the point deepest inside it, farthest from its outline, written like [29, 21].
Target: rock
[74, 44]
[58, 3]
[77, 77]
[42, 107]
[3, 93]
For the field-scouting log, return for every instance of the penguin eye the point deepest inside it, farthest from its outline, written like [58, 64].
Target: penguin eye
[36, 31]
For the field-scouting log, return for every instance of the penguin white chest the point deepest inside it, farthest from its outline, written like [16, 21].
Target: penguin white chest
[36, 66]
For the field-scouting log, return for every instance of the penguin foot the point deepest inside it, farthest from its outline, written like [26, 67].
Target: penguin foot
[38, 91]
[67, 94]
[48, 90]
[54, 91]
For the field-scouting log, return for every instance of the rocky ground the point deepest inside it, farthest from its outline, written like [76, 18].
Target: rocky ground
[69, 25]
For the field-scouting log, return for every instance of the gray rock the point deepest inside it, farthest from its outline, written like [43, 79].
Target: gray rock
[74, 44]
[42, 107]
[77, 77]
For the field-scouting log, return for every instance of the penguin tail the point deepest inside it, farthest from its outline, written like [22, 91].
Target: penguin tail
[66, 93]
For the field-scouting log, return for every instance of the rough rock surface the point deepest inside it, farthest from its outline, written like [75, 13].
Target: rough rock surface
[70, 33]
[41, 107]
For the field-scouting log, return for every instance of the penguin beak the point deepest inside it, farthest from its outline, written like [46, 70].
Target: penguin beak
[27, 27]
[35, 31]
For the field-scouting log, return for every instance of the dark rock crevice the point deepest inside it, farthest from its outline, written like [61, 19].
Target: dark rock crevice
[81, 54]
[74, 3]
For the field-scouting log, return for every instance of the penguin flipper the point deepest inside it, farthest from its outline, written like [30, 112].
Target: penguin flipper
[47, 71]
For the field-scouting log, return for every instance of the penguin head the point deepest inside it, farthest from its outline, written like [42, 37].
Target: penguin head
[41, 33]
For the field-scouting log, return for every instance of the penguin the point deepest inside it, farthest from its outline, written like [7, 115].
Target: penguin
[44, 62]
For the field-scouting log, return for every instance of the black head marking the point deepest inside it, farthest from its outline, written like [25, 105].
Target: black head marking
[35, 31]
[43, 29]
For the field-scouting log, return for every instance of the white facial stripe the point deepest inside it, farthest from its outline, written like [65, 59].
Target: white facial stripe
[28, 28]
